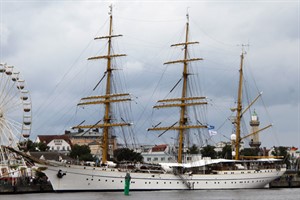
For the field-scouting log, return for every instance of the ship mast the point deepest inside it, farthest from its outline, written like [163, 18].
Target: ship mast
[239, 110]
[183, 102]
[109, 97]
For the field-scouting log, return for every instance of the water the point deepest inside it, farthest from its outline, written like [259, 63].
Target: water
[250, 194]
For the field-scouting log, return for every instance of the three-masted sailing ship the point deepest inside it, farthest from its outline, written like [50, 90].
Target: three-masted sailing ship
[201, 174]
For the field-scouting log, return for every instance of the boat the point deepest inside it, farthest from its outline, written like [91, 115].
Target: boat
[13, 168]
[205, 173]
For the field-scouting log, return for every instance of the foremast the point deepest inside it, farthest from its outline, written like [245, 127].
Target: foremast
[109, 97]
[184, 101]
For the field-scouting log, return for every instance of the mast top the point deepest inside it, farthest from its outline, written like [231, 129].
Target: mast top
[110, 10]
[243, 48]
[187, 15]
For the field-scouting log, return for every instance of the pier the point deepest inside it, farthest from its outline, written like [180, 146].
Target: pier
[291, 179]
[24, 186]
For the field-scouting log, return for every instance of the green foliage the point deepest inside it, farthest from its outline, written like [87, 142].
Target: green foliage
[125, 154]
[28, 145]
[250, 152]
[209, 151]
[226, 152]
[42, 146]
[33, 146]
[282, 151]
[81, 152]
[193, 149]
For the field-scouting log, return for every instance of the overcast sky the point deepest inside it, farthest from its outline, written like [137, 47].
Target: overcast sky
[49, 42]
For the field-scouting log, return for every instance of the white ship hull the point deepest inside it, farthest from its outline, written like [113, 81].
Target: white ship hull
[83, 178]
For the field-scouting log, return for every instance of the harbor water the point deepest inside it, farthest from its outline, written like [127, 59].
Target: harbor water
[249, 194]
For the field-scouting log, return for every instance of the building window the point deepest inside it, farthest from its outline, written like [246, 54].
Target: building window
[155, 159]
[162, 159]
[148, 159]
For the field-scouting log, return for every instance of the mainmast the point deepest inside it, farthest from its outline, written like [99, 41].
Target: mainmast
[109, 97]
[183, 102]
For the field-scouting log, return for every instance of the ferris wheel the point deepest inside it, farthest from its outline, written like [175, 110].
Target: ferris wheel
[15, 107]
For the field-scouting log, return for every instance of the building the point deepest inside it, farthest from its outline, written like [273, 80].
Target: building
[92, 138]
[220, 145]
[159, 154]
[60, 143]
[294, 153]
[164, 153]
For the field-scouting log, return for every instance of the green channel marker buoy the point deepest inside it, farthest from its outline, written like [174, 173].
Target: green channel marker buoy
[127, 184]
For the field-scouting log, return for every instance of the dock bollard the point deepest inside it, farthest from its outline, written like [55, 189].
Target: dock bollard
[127, 184]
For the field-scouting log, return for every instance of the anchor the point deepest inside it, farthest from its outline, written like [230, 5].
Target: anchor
[60, 174]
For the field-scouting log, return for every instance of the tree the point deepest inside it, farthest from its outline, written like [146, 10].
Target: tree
[33, 146]
[282, 151]
[28, 145]
[81, 152]
[42, 146]
[250, 152]
[209, 151]
[193, 149]
[226, 152]
[125, 154]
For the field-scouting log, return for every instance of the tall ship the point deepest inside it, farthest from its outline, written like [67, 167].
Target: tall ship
[204, 173]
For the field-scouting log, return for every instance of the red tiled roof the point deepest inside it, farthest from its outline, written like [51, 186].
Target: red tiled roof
[48, 138]
[161, 147]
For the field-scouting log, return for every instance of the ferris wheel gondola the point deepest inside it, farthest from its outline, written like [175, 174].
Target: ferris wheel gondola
[15, 107]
